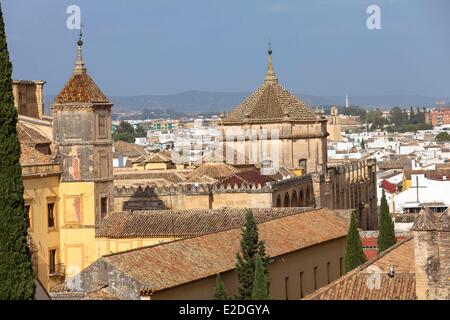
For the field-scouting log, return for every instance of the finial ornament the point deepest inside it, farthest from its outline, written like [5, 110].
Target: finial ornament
[271, 77]
[80, 67]
[80, 37]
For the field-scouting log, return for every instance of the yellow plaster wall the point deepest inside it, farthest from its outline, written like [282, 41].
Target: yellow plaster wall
[406, 184]
[242, 200]
[38, 192]
[77, 238]
[156, 166]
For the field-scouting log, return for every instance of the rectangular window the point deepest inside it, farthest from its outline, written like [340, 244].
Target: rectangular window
[328, 272]
[301, 285]
[315, 278]
[341, 267]
[102, 126]
[104, 206]
[51, 214]
[302, 164]
[28, 212]
[52, 261]
[104, 166]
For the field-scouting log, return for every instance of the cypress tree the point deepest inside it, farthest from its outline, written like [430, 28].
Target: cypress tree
[363, 144]
[219, 290]
[246, 258]
[264, 258]
[386, 235]
[16, 270]
[354, 255]
[260, 289]
[245, 266]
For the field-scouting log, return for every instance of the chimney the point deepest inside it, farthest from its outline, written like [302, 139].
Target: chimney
[29, 97]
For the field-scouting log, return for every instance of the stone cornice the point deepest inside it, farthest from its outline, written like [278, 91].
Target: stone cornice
[84, 143]
[270, 121]
[80, 106]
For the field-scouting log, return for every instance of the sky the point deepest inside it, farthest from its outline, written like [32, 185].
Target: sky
[320, 47]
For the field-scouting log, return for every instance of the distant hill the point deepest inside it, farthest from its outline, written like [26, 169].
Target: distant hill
[194, 102]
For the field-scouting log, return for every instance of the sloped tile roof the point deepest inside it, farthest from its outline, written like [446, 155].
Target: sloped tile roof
[81, 88]
[30, 136]
[183, 223]
[271, 102]
[171, 176]
[128, 149]
[246, 177]
[354, 285]
[201, 179]
[174, 263]
[222, 152]
[159, 157]
[213, 170]
[281, 173]
[29, 155]
[389, 187]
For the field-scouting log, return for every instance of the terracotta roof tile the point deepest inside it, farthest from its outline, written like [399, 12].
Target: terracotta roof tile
[29, 155]
[246, 177]
[354, 285]
[30, 136]
[171, 176]
[81, 88]
[213, 170]
[271, 102]
[183, 223]
[159, 157]
[128, 149]
[174, 263]
[389, 187]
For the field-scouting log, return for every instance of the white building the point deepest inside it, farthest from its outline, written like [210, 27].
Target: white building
[423, 191]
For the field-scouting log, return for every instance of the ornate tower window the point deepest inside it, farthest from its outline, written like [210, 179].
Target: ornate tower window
[103, 206]
[51, 215]
[102, 133]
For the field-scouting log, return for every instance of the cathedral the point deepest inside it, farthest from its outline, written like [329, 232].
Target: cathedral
[273, 128]
[279, 129]
[80, 208]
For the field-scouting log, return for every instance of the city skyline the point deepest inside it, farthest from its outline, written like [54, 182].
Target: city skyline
[320, 48]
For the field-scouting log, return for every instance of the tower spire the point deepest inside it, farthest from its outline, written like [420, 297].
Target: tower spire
[80, 67]
[271, 77]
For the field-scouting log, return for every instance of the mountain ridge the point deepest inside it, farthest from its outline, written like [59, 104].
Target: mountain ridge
[197, 101]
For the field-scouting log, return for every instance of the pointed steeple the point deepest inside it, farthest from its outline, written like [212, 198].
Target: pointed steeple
[80, 88]
[80, 67]
[444, 221]
[271, 76]
[425, 221]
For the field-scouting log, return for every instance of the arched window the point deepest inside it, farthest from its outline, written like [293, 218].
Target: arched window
[294, 200]
[308, 201]
[301, 199]
[302, 165]
[278, 201]
[286, 200]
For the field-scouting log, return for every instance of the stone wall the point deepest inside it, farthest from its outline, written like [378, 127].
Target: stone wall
[294, 192]
[352, 185]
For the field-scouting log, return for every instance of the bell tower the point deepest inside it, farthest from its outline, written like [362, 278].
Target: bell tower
[82, 133]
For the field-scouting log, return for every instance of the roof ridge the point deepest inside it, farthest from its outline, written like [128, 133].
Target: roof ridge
[309, 209]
